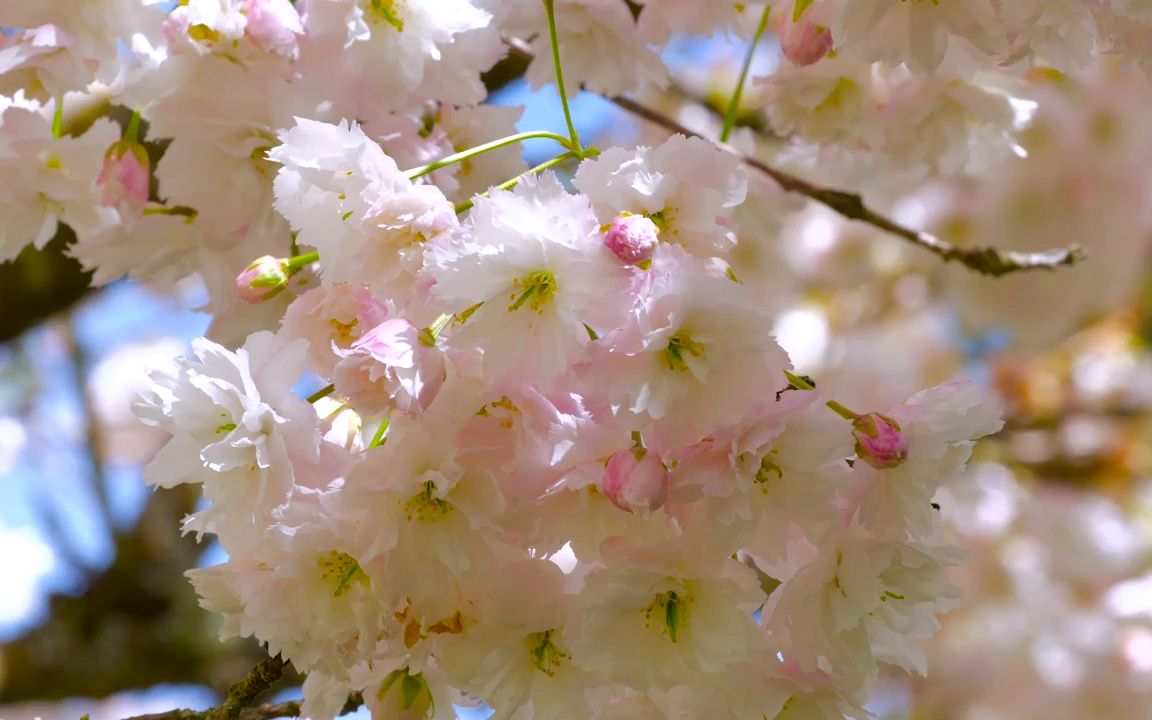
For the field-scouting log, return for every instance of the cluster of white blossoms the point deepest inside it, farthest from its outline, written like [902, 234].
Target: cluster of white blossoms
[559, 465]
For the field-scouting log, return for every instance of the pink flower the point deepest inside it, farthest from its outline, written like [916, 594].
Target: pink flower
[261, 280]
[331, 319]
[879, 441]
[684, 185]
[636, 481]
[632, 238]
[390, 367]
[124, 179]
[273, 25]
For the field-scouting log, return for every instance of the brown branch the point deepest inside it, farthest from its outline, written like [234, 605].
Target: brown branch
[80, 366]
[267, 711]
[982, 259]
[133, 624]
[245, 692]
[985, 260]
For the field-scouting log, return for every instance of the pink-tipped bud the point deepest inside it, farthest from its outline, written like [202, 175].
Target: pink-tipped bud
[879, 441]
[636, 484]
[124, 178]
[804, 42]
[274, 25]
[263, 279]
[632, 238]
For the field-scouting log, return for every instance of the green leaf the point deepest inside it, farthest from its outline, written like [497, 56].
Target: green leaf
[799, 8]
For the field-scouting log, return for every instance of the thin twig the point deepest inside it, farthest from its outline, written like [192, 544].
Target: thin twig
[985, 260]
[322, 393]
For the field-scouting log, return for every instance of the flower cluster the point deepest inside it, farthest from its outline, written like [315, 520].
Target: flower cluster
[559, 463]
[588, 441]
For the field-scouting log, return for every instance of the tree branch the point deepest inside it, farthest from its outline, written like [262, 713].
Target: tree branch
[245, 692]
[140, 601]
[80, 366]
[267, 711]
[982, 259]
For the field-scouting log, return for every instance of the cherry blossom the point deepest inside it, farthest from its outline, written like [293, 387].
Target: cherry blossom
[577, 440]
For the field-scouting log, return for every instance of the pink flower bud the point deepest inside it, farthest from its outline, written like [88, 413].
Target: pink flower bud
[804, 42]
[263, 279]
[273, 25]
[124, 178]
[635, 484]
[879, 441]
[632, 238]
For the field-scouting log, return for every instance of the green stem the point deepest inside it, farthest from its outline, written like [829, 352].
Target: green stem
[429, 334]
[133, 130]
[486, 147]
[378, 438]
[297, 263]
[179, 210]
[841, 410]
[322, 393]
[509, 184]
[734, 103]
[58, 119]
[553, 38]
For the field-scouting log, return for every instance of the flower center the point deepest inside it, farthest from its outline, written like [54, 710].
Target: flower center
[664, 220]
[425, 506]
[386, 11]
[225, 426]
[504, 411]
[202, 33]
[340, 569]
[845, 91]
[669, 609]
[344, 330]
[534, 290]
[547, 656]
[679, 346]
[767, 467]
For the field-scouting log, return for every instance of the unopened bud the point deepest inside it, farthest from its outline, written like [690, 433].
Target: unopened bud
[804, 42]
[632, 238]
[879, 441]
[635, 480]
[124, 178]
[403, 696]
[261, 280]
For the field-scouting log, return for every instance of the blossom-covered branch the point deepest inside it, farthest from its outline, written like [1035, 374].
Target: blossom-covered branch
[985, 260]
